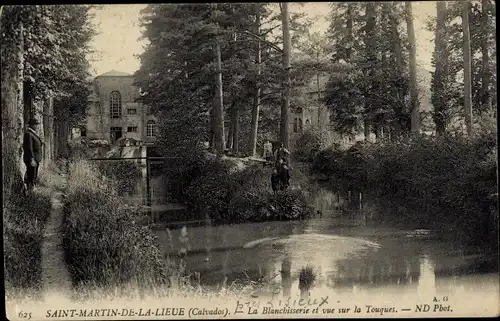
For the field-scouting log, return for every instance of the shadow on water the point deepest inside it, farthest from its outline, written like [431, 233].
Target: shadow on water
[337, 249]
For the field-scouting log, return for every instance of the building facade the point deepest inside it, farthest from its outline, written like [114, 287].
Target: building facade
[114, 114]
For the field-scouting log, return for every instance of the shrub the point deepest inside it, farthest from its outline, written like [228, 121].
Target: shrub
[243, 196]
[211, 192]
[449, 180]
[24, 223]
[182, 171]
[104, 244]
[291, 205]
[125, 174]
[310, 143]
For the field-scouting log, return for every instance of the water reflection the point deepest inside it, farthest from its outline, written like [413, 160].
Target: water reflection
[427, 277]
[344, 259]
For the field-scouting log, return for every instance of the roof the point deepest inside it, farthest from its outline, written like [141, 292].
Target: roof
[114, 73]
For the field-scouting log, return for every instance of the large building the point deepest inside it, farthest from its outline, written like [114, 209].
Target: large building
[114, 113]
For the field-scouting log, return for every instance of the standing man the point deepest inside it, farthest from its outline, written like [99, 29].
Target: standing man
[281, 156]
[32, 153]
[268, 151]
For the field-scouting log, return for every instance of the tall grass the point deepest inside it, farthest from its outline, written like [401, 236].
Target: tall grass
[24, 220]
[104, 243]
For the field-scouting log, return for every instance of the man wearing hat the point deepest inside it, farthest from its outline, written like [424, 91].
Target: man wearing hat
[32, 153]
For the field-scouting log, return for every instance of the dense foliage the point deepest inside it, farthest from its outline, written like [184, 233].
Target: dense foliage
[216, 190]
[179, 80]
[447, 82]
[373, 87]
[56, 41]
[444, 183]
[103, 240]
[124, 174]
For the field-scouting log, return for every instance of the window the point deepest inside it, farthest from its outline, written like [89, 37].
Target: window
[116, 133]
[83, 131]
[295, 125]
[307, 122]
[132, 111]
[151, 128]
[115, 104]
[132, 129]
[300, 125]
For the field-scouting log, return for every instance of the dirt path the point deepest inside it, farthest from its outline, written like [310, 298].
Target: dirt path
[55, 276]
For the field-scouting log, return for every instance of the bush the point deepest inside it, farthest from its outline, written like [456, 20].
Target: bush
[310, 143]
[125, 174]
[211, 192]
[24, 223]
[448, 181]
[104, 244]
[227, 196]
[291, 205]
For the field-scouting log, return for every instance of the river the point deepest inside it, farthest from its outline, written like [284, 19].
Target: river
[346, 255]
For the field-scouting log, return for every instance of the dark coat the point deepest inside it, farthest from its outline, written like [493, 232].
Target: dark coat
[32, 147]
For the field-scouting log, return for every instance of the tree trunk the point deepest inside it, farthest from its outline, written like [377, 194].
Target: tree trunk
[349, 24]
[229, 142]
[485, 72]
[211, 129]
[219, 143]
[256, 106]
[366, 129]
[440, 57]
[236, 128]
[48, 116]
[285, 108]
[398, 54]
[12, 116]
[467, 68]
[369, 68]
[415, 104]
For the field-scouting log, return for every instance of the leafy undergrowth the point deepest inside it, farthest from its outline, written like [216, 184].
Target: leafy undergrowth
[104, 243]
[446, 183]
[236, 194]
[24, 223]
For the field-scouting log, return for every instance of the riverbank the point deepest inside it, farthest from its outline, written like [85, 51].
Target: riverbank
[229, 190]
[448, 183]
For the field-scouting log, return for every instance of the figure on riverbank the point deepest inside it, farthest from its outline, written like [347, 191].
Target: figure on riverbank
[268, 151]
[280, 177]
[32, 153]
[281, 156]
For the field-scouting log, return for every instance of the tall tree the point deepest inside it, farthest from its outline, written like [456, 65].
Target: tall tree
[467, 67]
[12, 89]
[485, 72]
[415, 104]
[439, 78]
[256, 104]
[285, 109]
[370, 65]
[44, 48]
[218, 124]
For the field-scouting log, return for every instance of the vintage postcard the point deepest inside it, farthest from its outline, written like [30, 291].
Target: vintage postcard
[250, 160]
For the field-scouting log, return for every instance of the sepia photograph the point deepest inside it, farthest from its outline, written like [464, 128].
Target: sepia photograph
[243, 160]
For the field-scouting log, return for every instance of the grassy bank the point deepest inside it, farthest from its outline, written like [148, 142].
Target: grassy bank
[445, 183]
[24, 223]
[104, 244]
[218, 189]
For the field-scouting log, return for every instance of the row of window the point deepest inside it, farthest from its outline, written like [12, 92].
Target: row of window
[115, 106]
[150, 129]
